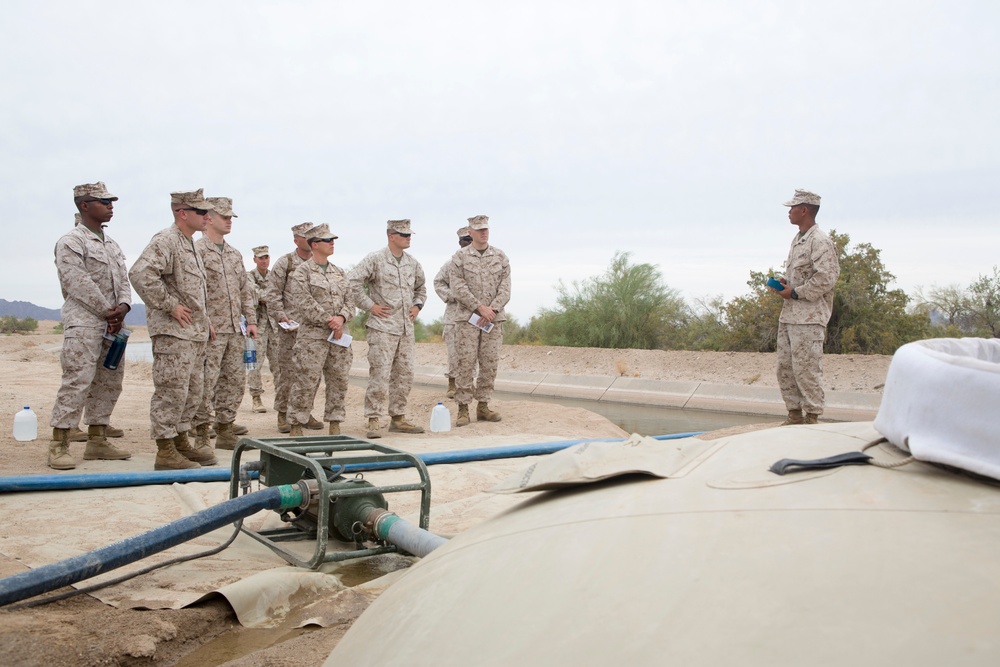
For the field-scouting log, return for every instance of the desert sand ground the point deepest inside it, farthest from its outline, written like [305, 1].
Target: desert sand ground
[85, 631]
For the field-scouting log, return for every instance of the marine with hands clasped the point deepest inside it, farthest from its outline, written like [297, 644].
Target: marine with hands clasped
[480, 282]
[811, 273]
[267, 328]
[442, 287]
[169, 276]
[389, 284]
[95, 286]
[324, 305]
[282, 310]
[229, 297]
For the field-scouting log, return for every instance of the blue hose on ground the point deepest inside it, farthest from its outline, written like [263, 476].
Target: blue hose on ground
[50, 577]
[107, 480]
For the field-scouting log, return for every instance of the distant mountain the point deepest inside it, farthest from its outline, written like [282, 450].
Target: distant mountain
[21, 309]
[137, 316]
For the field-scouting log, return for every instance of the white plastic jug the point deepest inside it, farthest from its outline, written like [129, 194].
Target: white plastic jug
[25, 425]
[440, 418]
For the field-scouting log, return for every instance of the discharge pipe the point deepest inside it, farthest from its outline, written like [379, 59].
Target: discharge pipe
[64, 573]
[65, 482]
[388, 527]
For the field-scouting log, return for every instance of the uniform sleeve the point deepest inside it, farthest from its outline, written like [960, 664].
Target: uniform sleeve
[275, 291]
[459, 287]
[147, 274]
[827, 270]
[442, 286]
[75, 280]
[349, 309]
[503, 290]
[419, 285]
[123, 288]
[357, 278]
[247, 296]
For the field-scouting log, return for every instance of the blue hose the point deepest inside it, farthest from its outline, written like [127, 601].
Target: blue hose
[106, 480]
[50, 577]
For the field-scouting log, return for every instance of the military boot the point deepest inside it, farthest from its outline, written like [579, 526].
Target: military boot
[463, 415]
[201, 438]
[59, 456]
[240, 429]
[258, 406]
[811, 418]
[334, 428]
[199, 453]
[295, 431]
[227, 436]
[112, 432]
[373, 428]
[794, 417]
[451, 388]
[283, 426]
[484, 414]
[168, 458]
[76, 435]
[400, 425]
[313, 424]
[98, 446]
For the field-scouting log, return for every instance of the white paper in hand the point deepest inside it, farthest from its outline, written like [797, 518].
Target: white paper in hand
[344, 340]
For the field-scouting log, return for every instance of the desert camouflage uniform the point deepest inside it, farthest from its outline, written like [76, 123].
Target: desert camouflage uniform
[94, 280]
[229, 296]
[281, 305]
[319, 293]
[442, 286]
[811, 270]
[398, 284]
[170, 272]
[267, 336]
[478, 279]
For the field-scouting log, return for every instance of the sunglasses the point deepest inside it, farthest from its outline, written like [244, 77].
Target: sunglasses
[197, 211]
[104, 200]
[405, 236]
[329, 240]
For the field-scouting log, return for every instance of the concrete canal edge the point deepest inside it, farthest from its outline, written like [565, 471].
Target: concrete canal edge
[739, 399]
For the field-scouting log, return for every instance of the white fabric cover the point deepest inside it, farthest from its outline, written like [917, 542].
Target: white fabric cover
[941, 402]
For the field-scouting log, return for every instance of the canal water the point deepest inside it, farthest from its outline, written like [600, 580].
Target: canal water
[641, 419]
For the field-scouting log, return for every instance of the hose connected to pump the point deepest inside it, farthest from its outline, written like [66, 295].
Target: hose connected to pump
[388, 527]
[64, 573]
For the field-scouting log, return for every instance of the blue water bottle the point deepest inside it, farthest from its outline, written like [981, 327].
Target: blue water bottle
[117, 350]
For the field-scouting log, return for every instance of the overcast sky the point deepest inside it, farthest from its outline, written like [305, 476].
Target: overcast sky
[672, 130]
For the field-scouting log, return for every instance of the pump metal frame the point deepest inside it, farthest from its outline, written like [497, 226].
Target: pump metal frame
[343, 454]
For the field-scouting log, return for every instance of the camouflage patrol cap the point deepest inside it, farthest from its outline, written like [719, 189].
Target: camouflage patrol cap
[194, 199]
[463, 231]
[398, 226]
[479, 222]
[803, 197]
[223, 206]
[262, 251]
[321, 231]
[301, 229]
[96, 190]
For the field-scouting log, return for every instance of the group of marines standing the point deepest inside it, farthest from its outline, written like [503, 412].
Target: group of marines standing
[201, 303]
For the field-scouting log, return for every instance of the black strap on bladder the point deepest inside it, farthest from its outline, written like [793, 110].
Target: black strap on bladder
[785, 466]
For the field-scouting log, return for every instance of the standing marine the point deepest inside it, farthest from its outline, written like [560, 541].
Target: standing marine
[97, 295]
